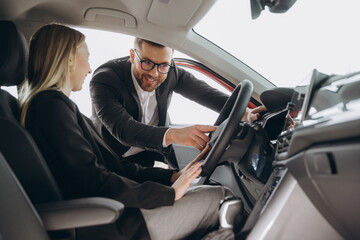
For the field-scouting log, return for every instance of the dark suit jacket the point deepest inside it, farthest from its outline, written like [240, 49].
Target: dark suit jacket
[84, 166]
[117, 106]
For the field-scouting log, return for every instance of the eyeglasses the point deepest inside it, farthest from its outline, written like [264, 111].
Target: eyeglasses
[149, 65]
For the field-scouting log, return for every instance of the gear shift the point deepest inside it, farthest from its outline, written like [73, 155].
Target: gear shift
[231, 210]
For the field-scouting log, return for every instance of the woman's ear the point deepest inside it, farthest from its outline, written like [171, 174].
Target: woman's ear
[71, 64]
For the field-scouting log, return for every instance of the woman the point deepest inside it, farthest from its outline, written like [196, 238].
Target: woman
[84, 166]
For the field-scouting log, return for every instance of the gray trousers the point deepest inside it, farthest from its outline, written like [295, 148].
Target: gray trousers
[195, 214]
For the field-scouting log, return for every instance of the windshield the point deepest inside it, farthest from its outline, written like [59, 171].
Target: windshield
[284, 48]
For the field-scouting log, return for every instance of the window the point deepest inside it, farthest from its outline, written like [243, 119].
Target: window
[285, 48]
[12, 90]
[104, 46]
[183, 111]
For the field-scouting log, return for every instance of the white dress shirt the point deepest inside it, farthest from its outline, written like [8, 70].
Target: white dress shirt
[149, 109]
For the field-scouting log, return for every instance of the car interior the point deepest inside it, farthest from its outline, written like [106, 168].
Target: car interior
[293, 181]
[38, 184]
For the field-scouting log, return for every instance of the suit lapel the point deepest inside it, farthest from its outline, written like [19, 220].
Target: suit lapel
[131, 88]
[162, 106]
[163, 98]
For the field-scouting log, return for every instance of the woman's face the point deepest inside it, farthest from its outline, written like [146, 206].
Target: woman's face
[81, 69]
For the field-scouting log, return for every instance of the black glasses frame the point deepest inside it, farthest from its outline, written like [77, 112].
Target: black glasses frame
[154, 64]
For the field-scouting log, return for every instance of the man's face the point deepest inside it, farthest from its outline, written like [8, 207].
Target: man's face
[150, 80]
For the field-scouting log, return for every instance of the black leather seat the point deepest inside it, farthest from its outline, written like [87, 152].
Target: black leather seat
[18, 218]
[16, 144]
[25, 159]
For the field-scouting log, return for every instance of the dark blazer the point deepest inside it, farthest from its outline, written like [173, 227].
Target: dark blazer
[117, 110]
[84, 166]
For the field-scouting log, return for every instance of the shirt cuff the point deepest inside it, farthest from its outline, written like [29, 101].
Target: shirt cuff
[164, 141]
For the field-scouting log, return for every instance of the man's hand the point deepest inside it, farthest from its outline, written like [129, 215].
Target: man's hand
[190, 136]
[252, 115]
[186, 176]
[289, 122]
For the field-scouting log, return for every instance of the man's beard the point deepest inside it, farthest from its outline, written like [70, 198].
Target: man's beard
[145, 83]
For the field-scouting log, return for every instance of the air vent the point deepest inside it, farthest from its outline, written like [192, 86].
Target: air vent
[283, 142]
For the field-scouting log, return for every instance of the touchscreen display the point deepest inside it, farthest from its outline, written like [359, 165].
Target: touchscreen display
[333, 98]
[315, 80]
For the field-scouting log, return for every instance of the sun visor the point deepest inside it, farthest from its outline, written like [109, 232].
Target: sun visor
[169, 13]
[110, 16]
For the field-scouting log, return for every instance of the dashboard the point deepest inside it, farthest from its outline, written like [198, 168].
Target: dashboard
[303, 181]
[316, 167]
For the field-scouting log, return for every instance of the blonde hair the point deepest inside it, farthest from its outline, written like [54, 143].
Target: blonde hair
[50, 50]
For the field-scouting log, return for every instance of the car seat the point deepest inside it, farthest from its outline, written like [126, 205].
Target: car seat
[26, 160]
[15, 141]
[18, 218]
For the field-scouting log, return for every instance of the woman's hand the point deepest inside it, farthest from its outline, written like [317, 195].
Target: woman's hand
[187, 175]
[201, 156]
[182, 184]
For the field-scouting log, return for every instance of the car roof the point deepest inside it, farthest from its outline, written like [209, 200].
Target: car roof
[164, 21]
[168, 22]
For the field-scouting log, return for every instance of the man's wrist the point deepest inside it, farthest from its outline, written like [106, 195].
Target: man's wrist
[166, 139]
[245, 117]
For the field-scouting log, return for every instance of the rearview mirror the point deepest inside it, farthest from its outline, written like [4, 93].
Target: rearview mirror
[275, 6]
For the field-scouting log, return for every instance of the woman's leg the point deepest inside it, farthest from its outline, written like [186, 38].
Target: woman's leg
[193, 215]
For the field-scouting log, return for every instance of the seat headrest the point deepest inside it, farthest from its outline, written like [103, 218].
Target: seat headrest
[13, 54]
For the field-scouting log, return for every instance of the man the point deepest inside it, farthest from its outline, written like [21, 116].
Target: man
[131, 96]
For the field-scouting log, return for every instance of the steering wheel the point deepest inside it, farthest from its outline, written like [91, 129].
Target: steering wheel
[229, 117]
